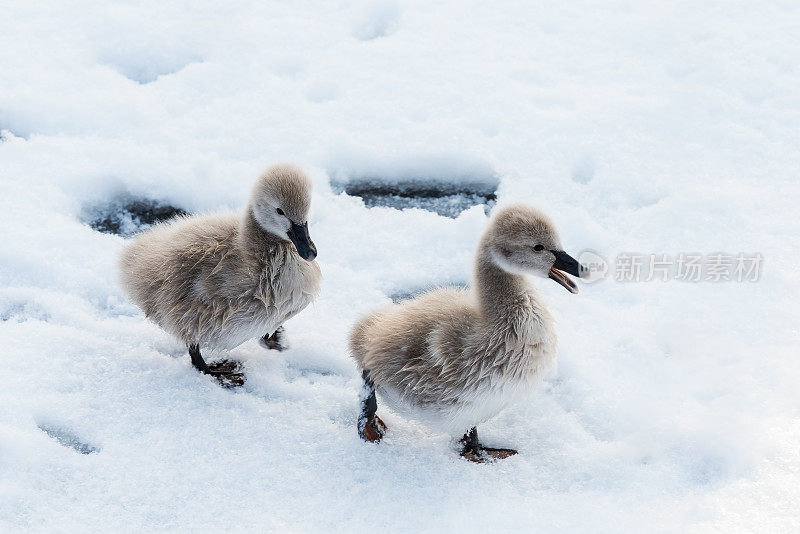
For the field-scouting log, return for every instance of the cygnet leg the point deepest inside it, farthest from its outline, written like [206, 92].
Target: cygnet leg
[370, 426]
[226, 371]
[475, 452]
[275, 341]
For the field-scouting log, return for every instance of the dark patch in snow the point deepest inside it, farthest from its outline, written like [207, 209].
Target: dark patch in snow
[125, 216]
[405, 294]
[447, 198]
[68, 439]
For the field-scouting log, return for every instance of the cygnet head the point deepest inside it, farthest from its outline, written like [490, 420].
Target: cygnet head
[280, 203]
[522, 240]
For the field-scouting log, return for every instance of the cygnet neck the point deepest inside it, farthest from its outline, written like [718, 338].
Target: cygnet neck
[255, 239]
[500, 293]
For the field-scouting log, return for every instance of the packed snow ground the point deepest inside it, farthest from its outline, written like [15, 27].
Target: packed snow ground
[638, 126]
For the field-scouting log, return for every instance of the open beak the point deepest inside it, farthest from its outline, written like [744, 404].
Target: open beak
[298, 234]
[565, 264]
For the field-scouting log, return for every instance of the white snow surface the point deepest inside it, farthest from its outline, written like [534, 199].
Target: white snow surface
[637, 126]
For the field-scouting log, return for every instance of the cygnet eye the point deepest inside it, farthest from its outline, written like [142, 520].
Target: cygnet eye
[538, 248]
[280, 211]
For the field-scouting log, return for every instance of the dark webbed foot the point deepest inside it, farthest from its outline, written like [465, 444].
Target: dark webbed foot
[475, 452]
[275, 341]
[227, 372]
[370, 426]
[371, 429]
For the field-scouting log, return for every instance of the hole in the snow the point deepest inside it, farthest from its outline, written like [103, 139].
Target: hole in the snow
[380, 19]
[409, 293]
[7, 133]
[19, 311]
[125, 216]
[295, 372]
[447, 198]
[584, 171]
[145, 66]
[68, 439]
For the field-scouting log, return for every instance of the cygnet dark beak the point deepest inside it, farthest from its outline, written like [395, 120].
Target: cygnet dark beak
[565, 264]
[298, 234]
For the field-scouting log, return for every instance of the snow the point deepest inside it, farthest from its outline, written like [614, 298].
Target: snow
[638, 127]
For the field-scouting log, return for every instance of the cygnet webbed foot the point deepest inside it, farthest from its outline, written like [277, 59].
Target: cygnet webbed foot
[371, 429]
[227, 372]
[370, 426]
[475, 452]
[275, 341]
